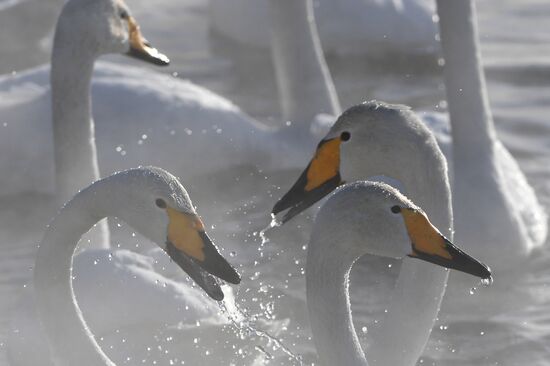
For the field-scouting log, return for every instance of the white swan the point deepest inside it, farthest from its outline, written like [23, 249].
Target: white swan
[485, 175]
[377, 139]
[141, 117]
[349, 26]
[107, 283]
[373, 218]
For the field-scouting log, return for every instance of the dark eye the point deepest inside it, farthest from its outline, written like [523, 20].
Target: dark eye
[345, 136]
[160, 203]
[396, 209]
[124, 14]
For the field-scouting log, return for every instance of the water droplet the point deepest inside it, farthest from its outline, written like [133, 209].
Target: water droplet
[487, 281]
[364, 330]
[268, 356]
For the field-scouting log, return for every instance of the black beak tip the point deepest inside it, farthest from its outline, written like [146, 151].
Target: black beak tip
[485, 273]
[231, 276]
[278, 207]
[162, 62]
[217, 294]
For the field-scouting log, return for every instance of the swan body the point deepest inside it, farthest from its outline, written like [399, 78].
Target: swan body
[346, 27]
[156, 205]
[485, 175]
[373, 218]
[155, 119]
[105, 283]
[500, 184]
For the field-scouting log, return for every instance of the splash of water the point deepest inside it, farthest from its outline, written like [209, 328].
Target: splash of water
[484, 282]
[240, 321]
[272, 224]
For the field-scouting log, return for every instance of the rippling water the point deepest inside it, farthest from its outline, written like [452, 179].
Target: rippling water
[505, 324]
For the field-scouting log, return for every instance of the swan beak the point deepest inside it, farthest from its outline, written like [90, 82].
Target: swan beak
[141, 49]
[430, 245]
[321, 177]
[190, 247]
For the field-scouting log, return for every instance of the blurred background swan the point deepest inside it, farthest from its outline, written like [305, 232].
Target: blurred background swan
[157, 205]
[372, 218]
[508, 222]
[158, 118]
[348, 27]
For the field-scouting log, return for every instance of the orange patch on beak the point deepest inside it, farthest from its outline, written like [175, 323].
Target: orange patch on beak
[424, 236]
[325, 164]
[184, 233]
[136, 39]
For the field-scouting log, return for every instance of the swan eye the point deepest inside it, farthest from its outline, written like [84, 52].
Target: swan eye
[124, 14]
[160, 203]
[345, 136]
[396, 209]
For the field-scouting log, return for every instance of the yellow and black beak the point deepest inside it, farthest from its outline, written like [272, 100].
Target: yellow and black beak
[321, 177]
[141, 49]
[190, 247]
[430, 245]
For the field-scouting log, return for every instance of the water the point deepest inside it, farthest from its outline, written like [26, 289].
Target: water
[507, 323]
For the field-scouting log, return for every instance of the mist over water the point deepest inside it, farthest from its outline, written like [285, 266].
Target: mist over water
[507, 323]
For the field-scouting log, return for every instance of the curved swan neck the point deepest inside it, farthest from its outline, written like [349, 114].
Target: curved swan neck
[70, 340]
[472, 125]
[303, 79]
[327, 281]
[420, 286]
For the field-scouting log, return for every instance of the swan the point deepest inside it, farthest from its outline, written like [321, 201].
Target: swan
[373, 218]
[141, 117]
[85, 30]
[379, 139]
[479, 159]
[345, 27]
[153, 202]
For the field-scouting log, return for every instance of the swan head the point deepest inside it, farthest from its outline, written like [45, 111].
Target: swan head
[155, 204]
[104, 26]
[359, 145]
[374, 218]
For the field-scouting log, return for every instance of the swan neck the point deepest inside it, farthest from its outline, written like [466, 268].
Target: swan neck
[75, 155]
[327, 281]
[74, 145]
[472, 124]
[71, 342]
[405, 329]
[303, 79]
